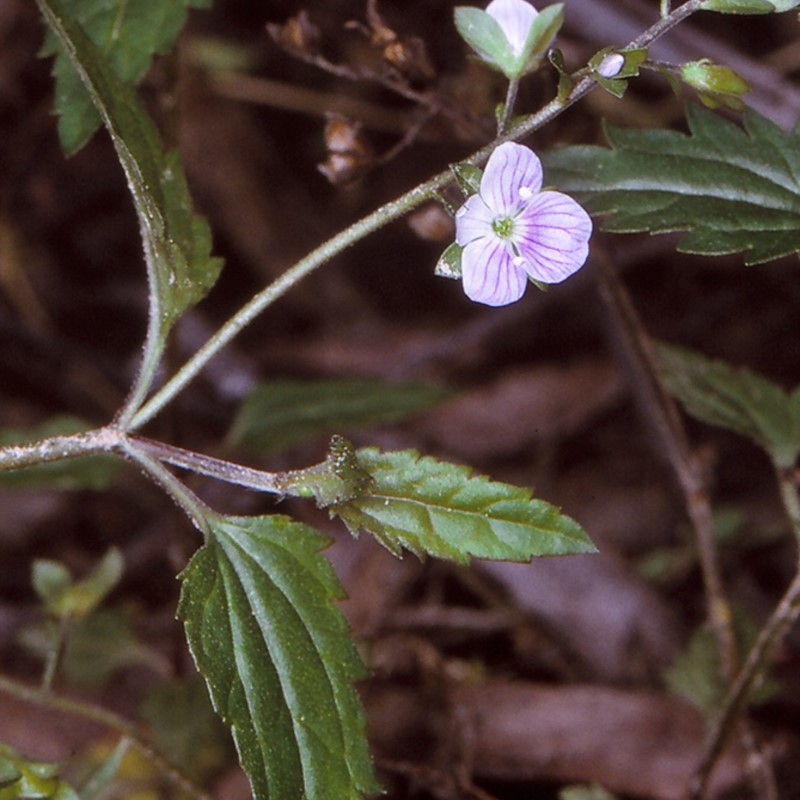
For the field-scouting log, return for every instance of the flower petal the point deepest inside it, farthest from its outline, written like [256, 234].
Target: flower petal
[473, 220]
[515, 18]
[489, 273]
[552, 237]
[513, 175]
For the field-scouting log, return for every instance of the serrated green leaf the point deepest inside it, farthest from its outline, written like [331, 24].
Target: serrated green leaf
[176, 243]
[696, 673]
[280, 413]
[736, 399]
[258, 604]
[733, 189]
[129, 32]
[95, 473]
[429, 506]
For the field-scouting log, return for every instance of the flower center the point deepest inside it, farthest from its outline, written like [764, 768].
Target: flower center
[503, 227]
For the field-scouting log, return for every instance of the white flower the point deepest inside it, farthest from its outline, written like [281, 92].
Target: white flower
[511, 230]
[611, 65]
[515, 18]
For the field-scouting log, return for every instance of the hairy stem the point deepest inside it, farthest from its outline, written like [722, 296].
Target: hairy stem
[508, 107]
[59, 448]
[206, 465]
[108, 719]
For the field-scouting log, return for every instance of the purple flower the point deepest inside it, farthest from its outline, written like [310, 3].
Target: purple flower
[511, 230]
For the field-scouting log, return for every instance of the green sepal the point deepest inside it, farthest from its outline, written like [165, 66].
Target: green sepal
[449, 263]
[715, 85]
[565, 80]
[484, 34]
[468, 178]
[749, 6]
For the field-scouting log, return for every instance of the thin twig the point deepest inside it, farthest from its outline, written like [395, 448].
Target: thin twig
[760, 655]
[663, 416]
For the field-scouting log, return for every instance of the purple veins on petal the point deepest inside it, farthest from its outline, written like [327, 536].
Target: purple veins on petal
[553, 237]
[489, 273]
[512, 176]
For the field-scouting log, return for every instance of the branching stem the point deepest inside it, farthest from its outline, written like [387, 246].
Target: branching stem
[369, 224]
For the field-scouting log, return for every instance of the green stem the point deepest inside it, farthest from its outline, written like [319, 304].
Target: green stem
[197, 511]
[508, 108]
[108, 720]
[213, 467]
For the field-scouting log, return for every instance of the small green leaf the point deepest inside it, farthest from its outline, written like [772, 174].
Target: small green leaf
[21, 779]
[736, 399]
[130, 32]
[733, 190]
[63, 598]
[95, 473]
[281, 413]
[258, 602]
[177, 244]
[428, 506]
[749, 6]
[565, 79]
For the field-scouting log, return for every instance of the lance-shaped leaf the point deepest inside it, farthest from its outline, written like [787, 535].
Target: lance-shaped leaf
[177, 244]
[736, 399]
[129, 32]
[749, 6]
[258, 605]
[277, 414]
[429, 506]
[733, 189]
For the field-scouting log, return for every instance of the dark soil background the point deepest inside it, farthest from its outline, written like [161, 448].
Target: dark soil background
[494, 681]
